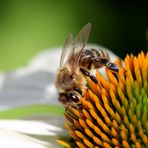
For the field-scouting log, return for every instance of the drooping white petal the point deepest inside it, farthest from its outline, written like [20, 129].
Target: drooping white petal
[12, 139]
[30, 127]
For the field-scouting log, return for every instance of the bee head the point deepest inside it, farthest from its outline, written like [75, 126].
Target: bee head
[65, 80]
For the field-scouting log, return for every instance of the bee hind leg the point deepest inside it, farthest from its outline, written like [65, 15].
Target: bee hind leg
[87, 73]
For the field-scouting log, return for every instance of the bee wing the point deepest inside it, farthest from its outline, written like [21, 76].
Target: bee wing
[73, 48]
[67, 50]
[81, 40]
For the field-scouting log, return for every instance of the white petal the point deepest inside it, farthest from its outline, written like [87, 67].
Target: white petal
[30, 127]
[12, 139]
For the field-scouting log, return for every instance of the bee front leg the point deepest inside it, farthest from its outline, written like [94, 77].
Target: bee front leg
[87, 73]
[78, 90]
[68, 113]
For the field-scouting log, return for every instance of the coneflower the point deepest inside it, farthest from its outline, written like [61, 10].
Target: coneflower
[115, 115]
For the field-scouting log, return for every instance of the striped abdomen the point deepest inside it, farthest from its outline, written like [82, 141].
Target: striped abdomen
[93, 58]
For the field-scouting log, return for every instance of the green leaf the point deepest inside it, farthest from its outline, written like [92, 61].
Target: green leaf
[25, 111]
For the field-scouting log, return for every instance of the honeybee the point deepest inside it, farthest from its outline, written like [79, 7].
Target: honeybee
[75, 63]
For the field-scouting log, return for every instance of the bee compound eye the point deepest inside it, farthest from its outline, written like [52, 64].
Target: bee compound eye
[73, 97]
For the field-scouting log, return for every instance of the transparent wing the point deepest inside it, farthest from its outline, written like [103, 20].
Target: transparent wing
[78, 46]
[81, 40]
[67, 50]
[72, 48]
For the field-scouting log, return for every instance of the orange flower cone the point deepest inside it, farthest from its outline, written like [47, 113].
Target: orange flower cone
[115, 115]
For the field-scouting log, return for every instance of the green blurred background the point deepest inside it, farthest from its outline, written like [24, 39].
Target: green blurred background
[29, 26]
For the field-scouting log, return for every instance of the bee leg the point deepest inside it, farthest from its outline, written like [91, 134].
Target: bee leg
[87, 73]
[68, 113]
[78, 90]
[114, 69]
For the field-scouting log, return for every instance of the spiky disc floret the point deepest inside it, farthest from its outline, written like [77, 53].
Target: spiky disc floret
[115, 115]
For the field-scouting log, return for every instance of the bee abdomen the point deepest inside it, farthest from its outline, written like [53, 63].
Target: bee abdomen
[89, 58]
